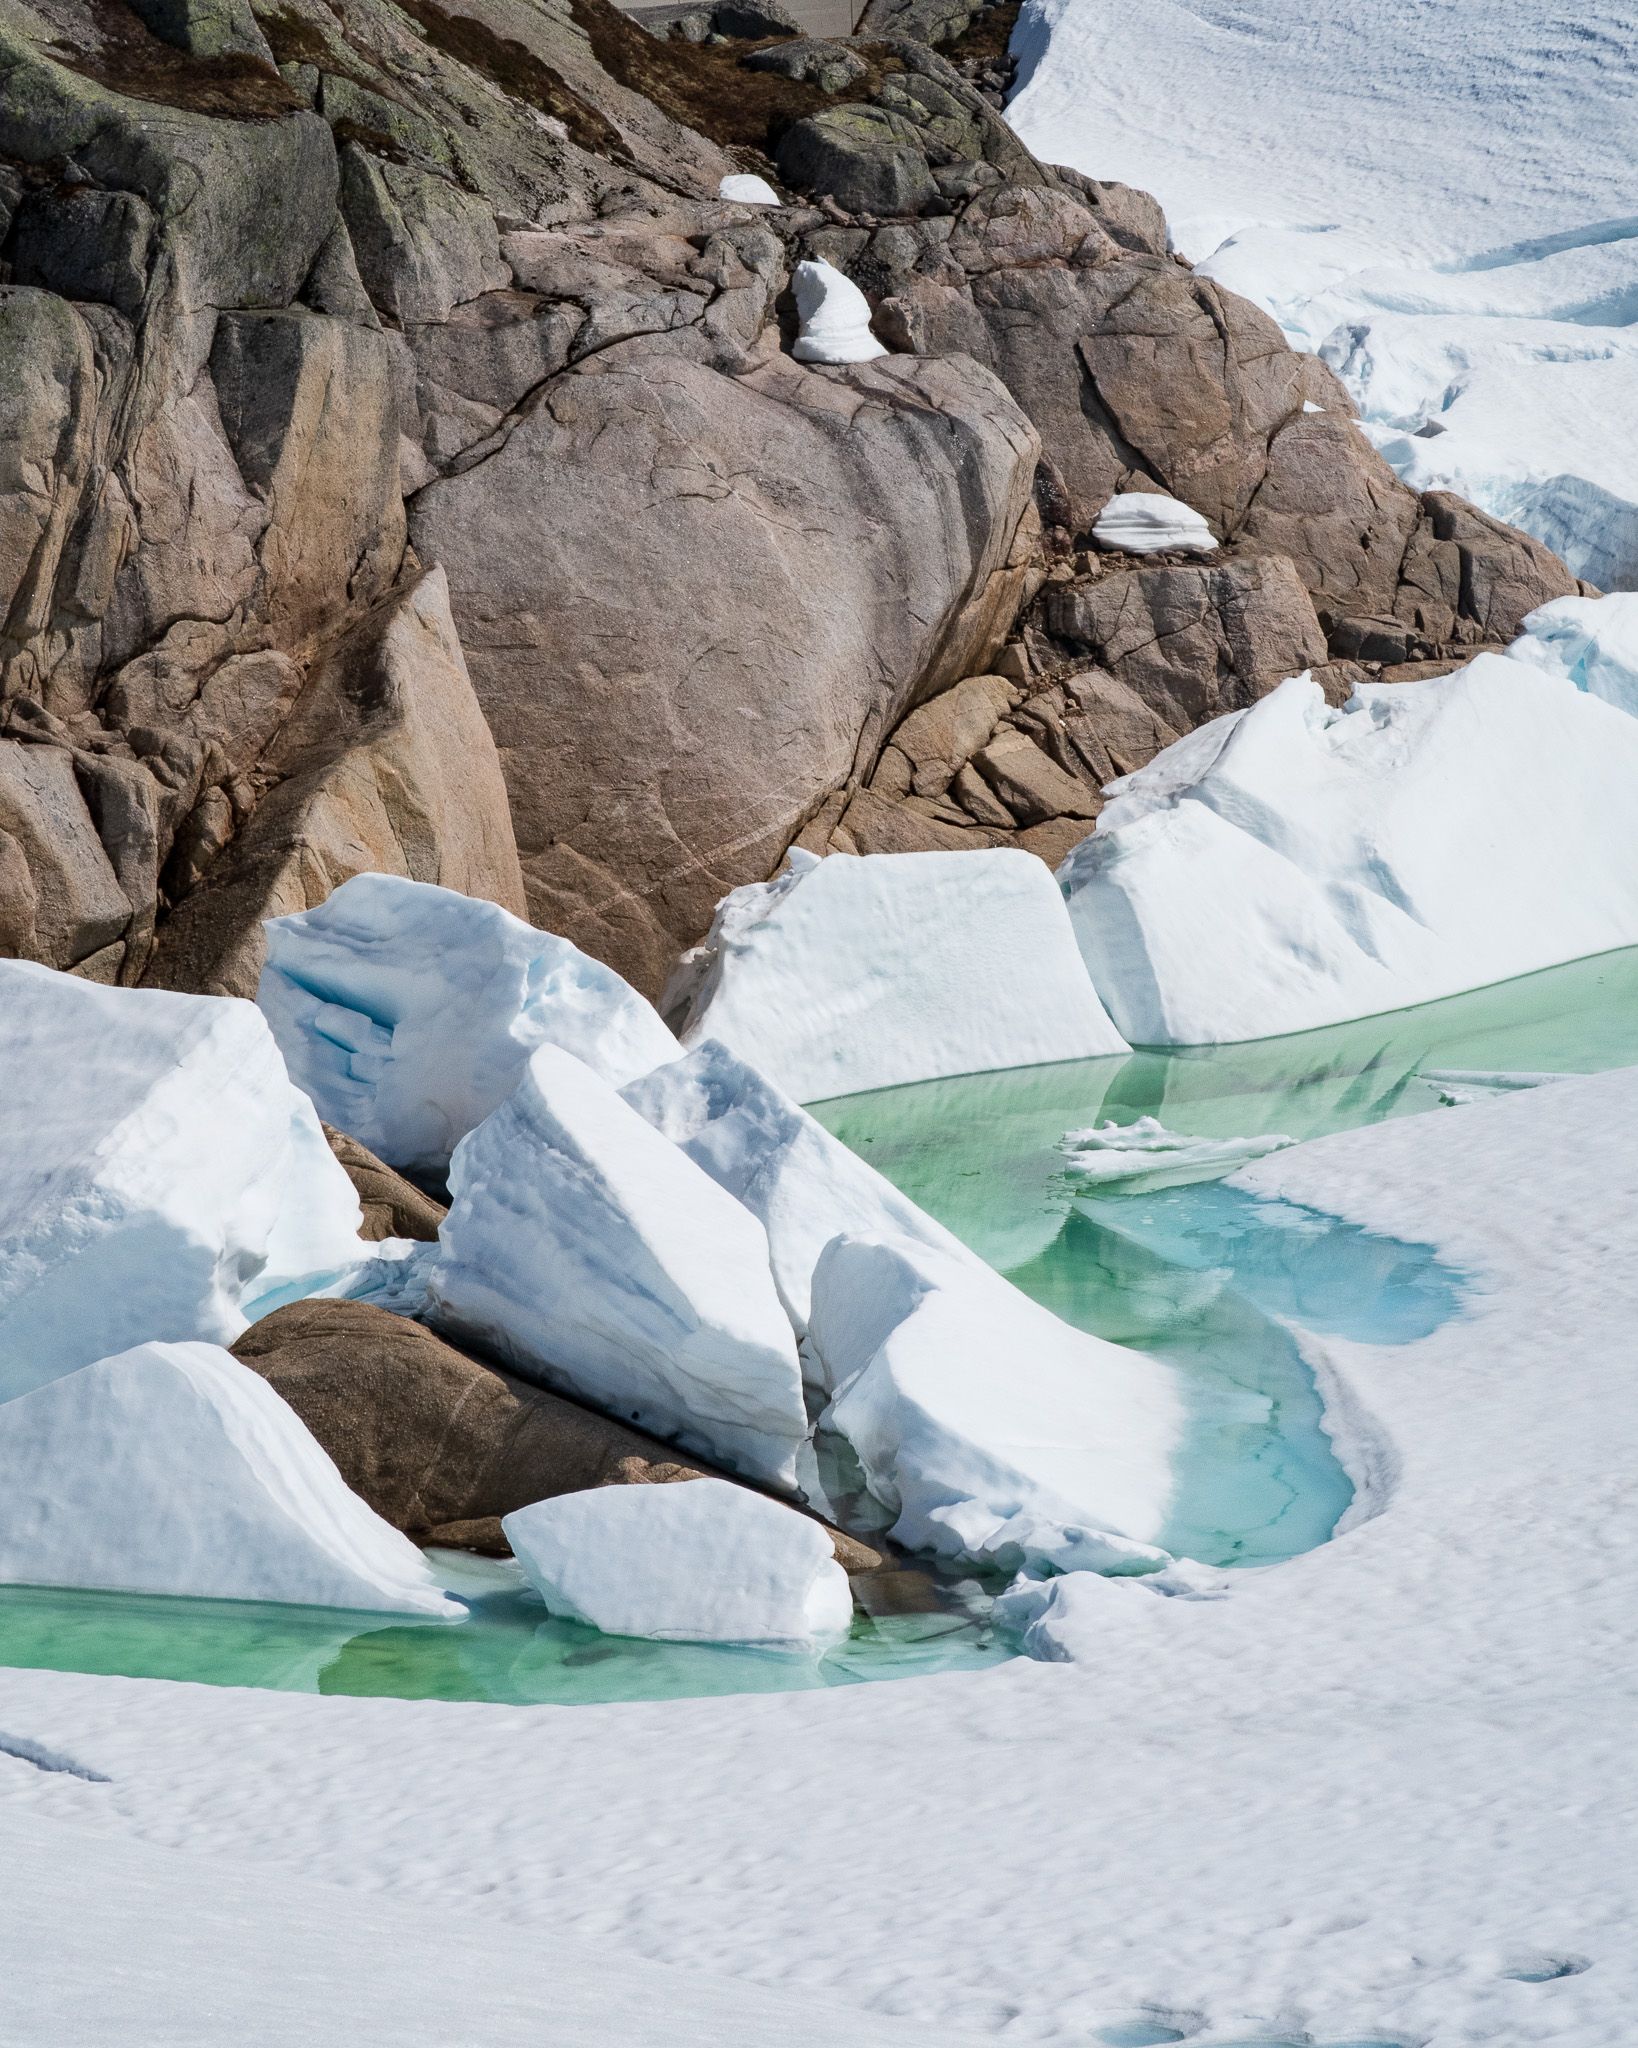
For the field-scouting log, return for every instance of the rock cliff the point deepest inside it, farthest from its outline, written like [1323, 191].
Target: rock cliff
[403, 465]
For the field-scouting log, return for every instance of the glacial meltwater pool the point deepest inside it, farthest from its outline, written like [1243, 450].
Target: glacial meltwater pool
[1199, 1275]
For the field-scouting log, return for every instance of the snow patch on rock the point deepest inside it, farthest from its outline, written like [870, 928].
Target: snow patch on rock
[745, 188]
[408, 1012]
[595, 1257]
[1146, 522]
[834, 317]
[698, 1561]
[865, 971]
[172, 1468]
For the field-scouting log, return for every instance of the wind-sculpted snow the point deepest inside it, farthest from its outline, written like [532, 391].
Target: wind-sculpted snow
[1437, 198]
[700, 1561]
[161, 1177]
[834, 316]
[594, 1256]
[1292, 865]
[409, 1012]
[864, 971]
[803, 1186]
[1149, 522]
[994, 1432]
[172, 1468]
[1591, 642]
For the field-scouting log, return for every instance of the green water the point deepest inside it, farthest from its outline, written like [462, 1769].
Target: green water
[1196, 1276]
[508, 1650]
[1200, 1277]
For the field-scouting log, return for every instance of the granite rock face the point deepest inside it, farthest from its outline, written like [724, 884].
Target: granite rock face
[300, 308]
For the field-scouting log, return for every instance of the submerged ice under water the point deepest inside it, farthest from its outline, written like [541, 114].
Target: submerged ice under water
[1204, 1275]
[1199, 1275]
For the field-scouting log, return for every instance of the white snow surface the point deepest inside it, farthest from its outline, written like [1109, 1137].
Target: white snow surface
[1292, 865]
[1589, 641]
[833, 316]
[994, 1432]
[696, 1561]
[595, 1256]
[802, 1185]
[862, 971]
[159, 1175]
[1438, 198]
[1146, 522]
[408, 1012]
[1368, 1794]
[172, 1468]
[747, 189]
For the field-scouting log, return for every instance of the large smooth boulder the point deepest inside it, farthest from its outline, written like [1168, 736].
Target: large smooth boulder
[590, 1254]
[171, 1468]
[691, 601]
[428, 1436]
[384, 764]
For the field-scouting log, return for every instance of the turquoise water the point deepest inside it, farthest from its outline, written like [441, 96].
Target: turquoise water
[508, 1650]
[1199, 1276]
[1194, 1275]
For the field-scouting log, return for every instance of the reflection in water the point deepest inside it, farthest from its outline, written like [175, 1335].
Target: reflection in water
[508, 1650]
[1198, 1275]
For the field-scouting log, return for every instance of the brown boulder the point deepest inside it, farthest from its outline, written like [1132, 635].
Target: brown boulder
[438, 1444]
[392, 1205]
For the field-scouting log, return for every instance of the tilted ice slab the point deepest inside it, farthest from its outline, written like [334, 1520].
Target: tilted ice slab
[1146, 522]
[172, 1468]
[996, 1433]
[864, 971]
[408, 1012]
[802, 1185]
[834, 317]
[1291, 865]
[1589, 641]
[159, 1175]
[1460, 241]
[1145, 1155]
[595, 1257]
[698, 1561]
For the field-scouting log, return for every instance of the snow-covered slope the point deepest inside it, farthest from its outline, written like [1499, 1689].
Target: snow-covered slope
[1384, 1792]
[1292, 865]
[1438, 197]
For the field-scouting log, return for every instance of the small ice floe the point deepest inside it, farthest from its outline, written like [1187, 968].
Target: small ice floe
[1147, 522]
[834, 316]
[696, 1561]
[1140, 1156]
[172, 1468]
[408, 1012]
[746, 189]
[1457, 1086]
[996, 1434]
